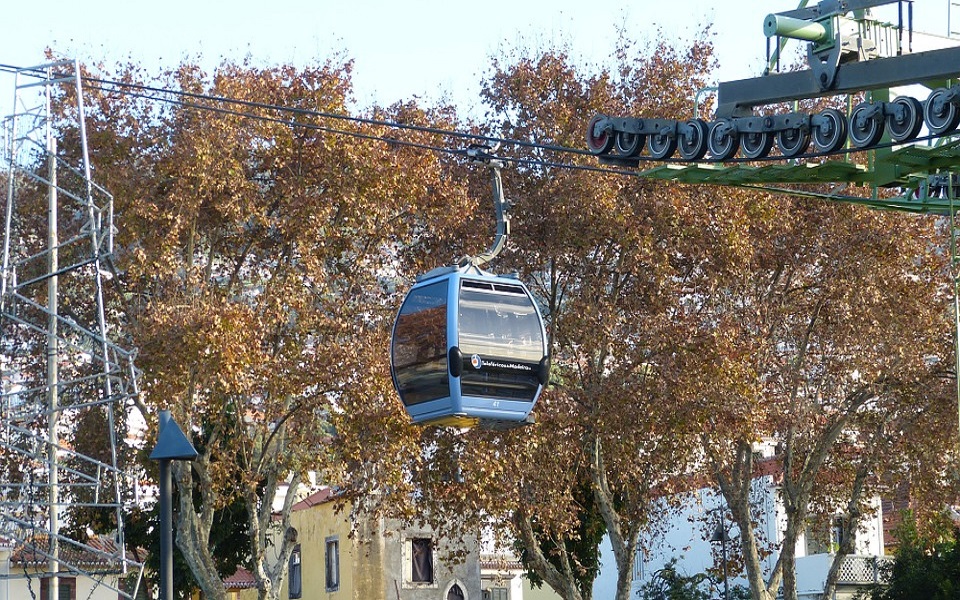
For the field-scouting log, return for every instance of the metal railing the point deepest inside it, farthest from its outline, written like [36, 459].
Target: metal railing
[863, 569]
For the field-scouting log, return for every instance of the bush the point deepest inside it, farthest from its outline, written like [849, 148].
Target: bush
[669, 584]
[923, 568]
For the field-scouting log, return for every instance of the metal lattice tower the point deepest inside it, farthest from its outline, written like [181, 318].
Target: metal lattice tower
[66, 386]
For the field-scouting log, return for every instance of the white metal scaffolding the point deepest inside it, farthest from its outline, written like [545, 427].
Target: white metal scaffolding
[62, 376]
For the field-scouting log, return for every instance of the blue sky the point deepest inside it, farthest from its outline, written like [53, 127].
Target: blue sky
[428, 48]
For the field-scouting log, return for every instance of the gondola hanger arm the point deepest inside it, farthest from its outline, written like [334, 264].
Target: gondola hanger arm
[484, 153]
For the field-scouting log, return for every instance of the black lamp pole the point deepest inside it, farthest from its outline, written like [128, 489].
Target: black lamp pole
[171, 445]
[720, 535]
[723, 547]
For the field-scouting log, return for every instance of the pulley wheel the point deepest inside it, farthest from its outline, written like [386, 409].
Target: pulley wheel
[866, 128]
[793, 142]
[692, 139]
[905, 118]
[662, 146]
[628, 144]
[829, 130]
[598, 143]
[940, 113]
[756, 144]
[722, 140]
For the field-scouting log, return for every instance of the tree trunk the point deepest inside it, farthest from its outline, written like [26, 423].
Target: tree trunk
[735, 488]
[846, 548]
[797, 487]
[760, 588]
[193, 528]
[270, 575]
[623, 539]
[851, 520]
[563, 583]
[788, 554]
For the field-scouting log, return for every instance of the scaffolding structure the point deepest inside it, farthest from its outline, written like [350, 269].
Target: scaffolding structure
[66, 386]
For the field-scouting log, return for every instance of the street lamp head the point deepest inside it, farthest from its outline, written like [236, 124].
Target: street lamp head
[172, 444]
[719, 534]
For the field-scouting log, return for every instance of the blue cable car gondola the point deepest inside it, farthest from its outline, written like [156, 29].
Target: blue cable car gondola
[469, 347]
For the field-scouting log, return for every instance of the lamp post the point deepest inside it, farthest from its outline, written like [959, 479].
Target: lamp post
[171, 445]
[720, 535]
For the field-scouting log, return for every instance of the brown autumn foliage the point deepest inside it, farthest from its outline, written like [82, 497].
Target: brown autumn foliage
[597, 250]
[264, 261]
[830, 335]
[256, 257]
[690, 322]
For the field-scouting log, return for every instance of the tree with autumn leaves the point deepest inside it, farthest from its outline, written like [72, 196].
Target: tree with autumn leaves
[255, 258]
[264, 254]
[834, 342]
[689, 323]
[593, 247]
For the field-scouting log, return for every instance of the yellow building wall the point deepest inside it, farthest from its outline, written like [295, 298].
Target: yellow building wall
[372, 561]
[361, 572]
[250, 594]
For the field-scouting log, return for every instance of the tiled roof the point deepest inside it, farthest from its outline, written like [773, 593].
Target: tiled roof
[97, 551]
[241, 580]
[321, 496]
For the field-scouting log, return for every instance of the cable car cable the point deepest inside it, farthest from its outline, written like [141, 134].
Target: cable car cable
[397, 141]
[533, 162]
[418, 128]
[307, 112]
[127, 86]
[404, 126]
[448, 132]
[292, 123]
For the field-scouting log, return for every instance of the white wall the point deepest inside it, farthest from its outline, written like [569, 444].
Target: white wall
[687, 529]
[605, 585]
[684, 535]
[18, 588]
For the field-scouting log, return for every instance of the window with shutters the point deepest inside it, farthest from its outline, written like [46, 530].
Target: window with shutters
[67, 588]
[418, 561]
[295, 574]
[332, 563]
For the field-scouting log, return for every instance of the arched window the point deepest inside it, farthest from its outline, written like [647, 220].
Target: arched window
[455, 593]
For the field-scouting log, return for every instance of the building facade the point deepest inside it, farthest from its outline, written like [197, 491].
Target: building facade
[380, 559]
[24, 571]
[691, 538]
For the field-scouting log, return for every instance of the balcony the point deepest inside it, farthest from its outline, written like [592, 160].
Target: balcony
[855, 571]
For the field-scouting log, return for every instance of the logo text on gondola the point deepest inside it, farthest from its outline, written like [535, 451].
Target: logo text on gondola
[478, 363]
